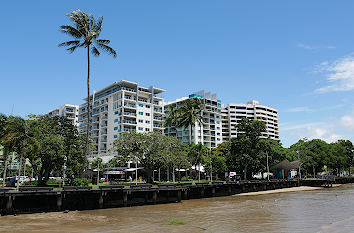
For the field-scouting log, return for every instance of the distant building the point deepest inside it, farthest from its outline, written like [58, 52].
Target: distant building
[123, 106]
[209, 134]
[233, 114]
[69, 111]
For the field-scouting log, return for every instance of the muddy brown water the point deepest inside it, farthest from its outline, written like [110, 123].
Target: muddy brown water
[327, 210]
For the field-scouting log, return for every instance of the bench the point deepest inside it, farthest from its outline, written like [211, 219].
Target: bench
[35, 189]
[77, 188]
[166, 186]
[141, 186]
[111, 187]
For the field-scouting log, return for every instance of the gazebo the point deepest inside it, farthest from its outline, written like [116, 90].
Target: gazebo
[284, 168]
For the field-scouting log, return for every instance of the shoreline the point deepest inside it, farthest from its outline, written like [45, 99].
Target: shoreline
[285, 190]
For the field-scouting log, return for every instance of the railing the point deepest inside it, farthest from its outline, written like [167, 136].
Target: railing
[128, 114]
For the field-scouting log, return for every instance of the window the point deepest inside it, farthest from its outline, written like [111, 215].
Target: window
[116, 113]
[147, 106]
[115, 128]
[217, 127]
[218, 139]
[115, 136]
[141, 121]
[141, 128]
[147, 122]
[141, 105]
[116, 120]
[141, 113]
[147, 129]
[147, 114]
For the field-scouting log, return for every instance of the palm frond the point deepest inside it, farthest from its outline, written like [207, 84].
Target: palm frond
[103, 41]
[98, 26]
[72, 49]
[95, 51]
[69, 43]
[68, 29]
[108, 49]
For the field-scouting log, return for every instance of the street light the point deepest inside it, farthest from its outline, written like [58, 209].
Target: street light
[298, 157]
[267, 166]
[65, 159]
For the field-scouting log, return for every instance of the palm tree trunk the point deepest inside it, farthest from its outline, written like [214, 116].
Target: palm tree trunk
[199, 173]
[190, 134]
[6, 155]
[20, 165]
[88, 101]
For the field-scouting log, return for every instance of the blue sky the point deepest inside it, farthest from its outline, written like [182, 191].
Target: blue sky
[296, 56]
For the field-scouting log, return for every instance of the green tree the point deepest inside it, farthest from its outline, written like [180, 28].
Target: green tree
[19, 134]
[349, 151]
[57, 138]
[86, 31]
[247, 147]
[97, 163]
[190, 113]
[3, 123]
[196, 154]
[215, 162]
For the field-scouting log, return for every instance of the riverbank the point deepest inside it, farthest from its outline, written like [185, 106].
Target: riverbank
[285, 190]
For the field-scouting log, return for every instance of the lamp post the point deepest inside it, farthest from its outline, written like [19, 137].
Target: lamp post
[267, 167]
[298, 157]
[64, 168]
[136, 170]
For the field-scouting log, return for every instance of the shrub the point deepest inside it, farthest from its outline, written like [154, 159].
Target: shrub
[85, 182]
[76, 182]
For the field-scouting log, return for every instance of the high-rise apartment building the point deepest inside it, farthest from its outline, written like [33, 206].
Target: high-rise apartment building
[121, 107]
[233, 113]
[209, 134]
[69, 111]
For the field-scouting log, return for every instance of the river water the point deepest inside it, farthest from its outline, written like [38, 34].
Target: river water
[325, 210]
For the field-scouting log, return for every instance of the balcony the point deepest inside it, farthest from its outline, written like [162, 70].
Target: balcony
[158, 118]
[157, 126]
[104, 132]
[143, 100]
[128, 122]
[128, 114]
[129, 105]
[103, 140]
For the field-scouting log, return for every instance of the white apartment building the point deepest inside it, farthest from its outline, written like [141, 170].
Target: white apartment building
[209, 134]
[69, 111]
[121, 107]
[233, 113]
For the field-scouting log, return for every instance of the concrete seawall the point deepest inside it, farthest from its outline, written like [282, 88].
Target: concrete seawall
[45, 199]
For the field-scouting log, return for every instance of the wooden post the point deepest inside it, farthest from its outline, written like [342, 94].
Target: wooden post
[202, 192]
[9, 203]
[186, 194]
[59, 202]
[100, 200]
[213, 192]
[154, 197]
[179, 196]
[125, 199]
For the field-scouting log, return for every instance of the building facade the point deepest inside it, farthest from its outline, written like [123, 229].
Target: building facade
[121, 107]
[233, 114]
[209, 134]
[71, 112]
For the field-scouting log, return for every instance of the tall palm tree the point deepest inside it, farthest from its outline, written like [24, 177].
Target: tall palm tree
[172, 116]
[189, 113]
[86, 31]
[197, 152]
[17, 134]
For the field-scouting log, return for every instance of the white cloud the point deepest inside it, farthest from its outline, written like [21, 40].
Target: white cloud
[340, 75]
[347, 121]
[313, 131]
[311, 47]
[300, 109]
